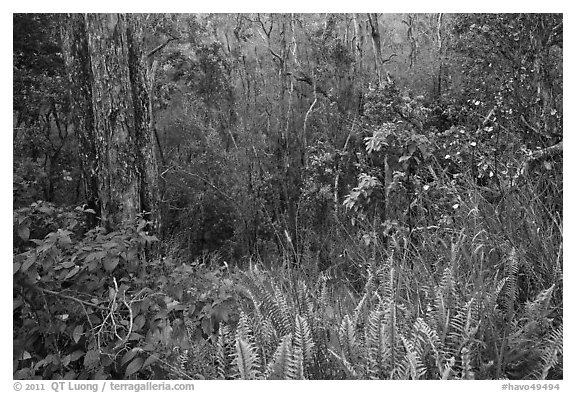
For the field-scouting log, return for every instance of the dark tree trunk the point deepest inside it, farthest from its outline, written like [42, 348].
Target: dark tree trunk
[108, 75]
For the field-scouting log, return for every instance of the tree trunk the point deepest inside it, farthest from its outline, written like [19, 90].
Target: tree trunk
[376, 46]
[440, 56]
[112, 106]
[359, 44]
[79, 70]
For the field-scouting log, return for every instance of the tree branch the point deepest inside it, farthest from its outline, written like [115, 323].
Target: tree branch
[302, 77]
[162, 46]
[389, 58]
[60, 294]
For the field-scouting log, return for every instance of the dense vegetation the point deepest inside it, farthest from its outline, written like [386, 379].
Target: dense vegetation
[319, 196]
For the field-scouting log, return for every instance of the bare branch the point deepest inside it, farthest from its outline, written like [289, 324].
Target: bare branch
[162, 46]
[389, 58]
[60, 294]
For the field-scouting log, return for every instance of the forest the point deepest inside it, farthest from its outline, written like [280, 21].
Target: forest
[288, 196]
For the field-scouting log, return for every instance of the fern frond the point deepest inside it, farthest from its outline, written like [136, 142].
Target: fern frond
[305, 300]
[511, 287]
[281, 311]
[464, 325]
[430, 337]
[279, 366]
[270, 302]
[492, 296]
[387, 286]
[303, 339]
[430, 334]
[296, 364]
[244, 329]
[375, 343]
[441, 314]
[413, 358]
[358, 309]
[246, 359]
[552, 353]
[389, 334]
[370, 286]
[447, 287]
[467, 371]
[268, 333]
[538, 309]
[348, 340]
[222, 351]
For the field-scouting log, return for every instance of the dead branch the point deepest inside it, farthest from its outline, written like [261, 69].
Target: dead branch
[162, 46]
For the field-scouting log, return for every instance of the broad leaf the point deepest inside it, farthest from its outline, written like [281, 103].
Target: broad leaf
[72, 273]
[111, 263]
[134, 367]
[77, 334]
[24, 232]
[129, 355]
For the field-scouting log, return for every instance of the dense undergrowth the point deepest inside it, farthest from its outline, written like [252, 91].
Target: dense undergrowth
[479, 300]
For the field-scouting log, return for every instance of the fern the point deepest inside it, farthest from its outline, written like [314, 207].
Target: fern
[467, 372]
[448, 287]
[264, 332]
[444, 300]
[280, 311]
[348, 340]
[412, 365]
[267, 333]
[492, 296]
[552, 353]
[463, 326]
[323, 298]
[182, 358]
[375, 342]
[244, 329]
[370, 286]
[222, 343]
[279, 366]
[305, 300]
[271, 303]
[386, 278]
[303, 339]
[246, 359]
[296, 364]
[430, 337]
[539, 309]
[511, 287]
[389, 333]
